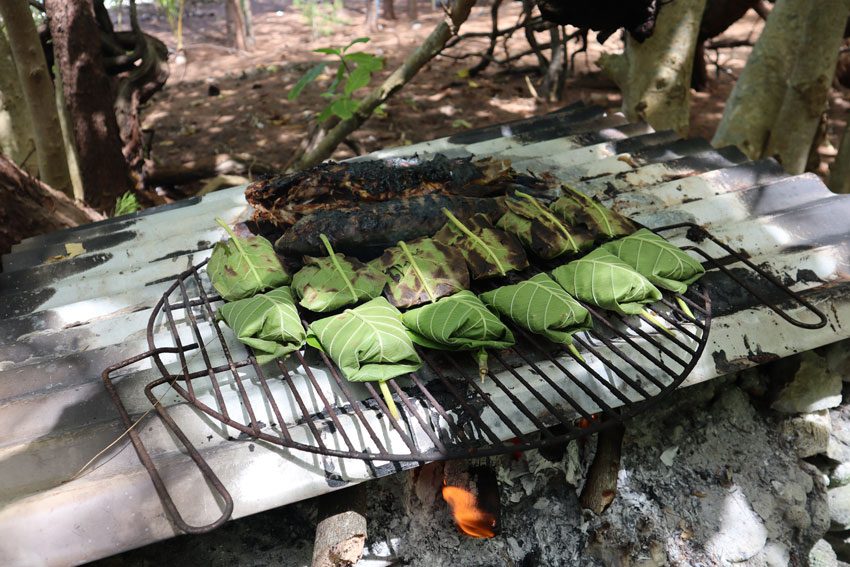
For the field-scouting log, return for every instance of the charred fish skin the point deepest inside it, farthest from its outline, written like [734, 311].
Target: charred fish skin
[373, 227]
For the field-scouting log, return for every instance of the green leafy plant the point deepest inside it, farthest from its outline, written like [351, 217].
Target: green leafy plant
[268, 323]
[321, 15]
[126, 204]
[354, 71]
[242, 267]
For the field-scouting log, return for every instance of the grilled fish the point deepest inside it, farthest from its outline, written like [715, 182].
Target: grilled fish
[282, 200]
[372, 227]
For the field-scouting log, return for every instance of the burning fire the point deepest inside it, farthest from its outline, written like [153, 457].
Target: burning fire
[468, 516]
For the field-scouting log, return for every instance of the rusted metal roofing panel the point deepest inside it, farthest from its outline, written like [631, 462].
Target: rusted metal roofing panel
[64, 322]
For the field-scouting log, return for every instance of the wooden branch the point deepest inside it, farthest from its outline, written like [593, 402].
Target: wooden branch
[600, 488]
[341, 531]
[839, 173]
[30, 207]
[212, 166]
[432, 45]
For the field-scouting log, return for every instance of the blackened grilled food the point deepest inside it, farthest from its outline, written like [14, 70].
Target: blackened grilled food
[282, 200]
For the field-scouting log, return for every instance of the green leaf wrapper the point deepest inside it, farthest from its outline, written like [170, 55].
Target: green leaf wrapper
[602, 279]
[578, 209]
[268, 323]
[459, 322]
[326, 284]
[422, 270]
[368, 343]
[488, 250]
[242, 267]
[541, 306]
[662, 263]
[540, 230]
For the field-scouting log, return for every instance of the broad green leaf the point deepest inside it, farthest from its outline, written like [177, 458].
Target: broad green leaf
[242, 267]
[371, 62]
[488, 250]
[324, 114]
[358, 78]
[305, 80]
[458, 322]
[268, 323]
[344, 107]
[540, 230]
[340, 73]
[367, 343]
[422, 270]
[662, 263]
[602, 279]
[328, 51]
[577, 208]
[354, 42]
[326, 284]
[541, 306]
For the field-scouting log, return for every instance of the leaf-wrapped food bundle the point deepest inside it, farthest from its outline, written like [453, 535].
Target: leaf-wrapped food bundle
[368, 343]
[539, 229]
[422, 270]
[458, 322]
[268, 323]
[541, 306]
[326, 284]
[242, 267]
[602, 279]
[578, 209]
[488, 250]
[661, 262]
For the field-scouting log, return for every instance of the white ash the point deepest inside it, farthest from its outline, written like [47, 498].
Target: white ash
[732, 491]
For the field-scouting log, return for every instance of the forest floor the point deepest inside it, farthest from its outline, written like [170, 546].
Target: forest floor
[219, 102]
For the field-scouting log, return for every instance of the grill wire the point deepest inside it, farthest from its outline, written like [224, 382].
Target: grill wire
[535, 394]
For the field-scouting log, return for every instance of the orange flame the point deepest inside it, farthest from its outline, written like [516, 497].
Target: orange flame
[469, 518]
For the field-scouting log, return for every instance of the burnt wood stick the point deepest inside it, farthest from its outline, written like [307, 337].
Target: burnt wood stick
[601, 485]
[341, 530]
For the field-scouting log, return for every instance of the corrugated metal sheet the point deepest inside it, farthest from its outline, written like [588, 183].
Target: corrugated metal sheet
[64, 322]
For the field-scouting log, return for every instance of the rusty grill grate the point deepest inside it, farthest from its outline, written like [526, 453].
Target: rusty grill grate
[535, 394]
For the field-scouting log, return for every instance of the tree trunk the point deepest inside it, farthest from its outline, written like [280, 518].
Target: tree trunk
[839, 173]
[655, 76]
[412, 10]
[16, 139]
[426, 51]
[68, 139]
[556, 74]
[372, 14]
[38, 93]
[755, 101]
[90, 98]
[31, 207]
[808, 87]
[389, 9]
[240, 28]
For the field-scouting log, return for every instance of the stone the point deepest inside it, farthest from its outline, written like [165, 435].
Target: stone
[741, 533]
[839, 508]
[809, 433]
[838, 448]
[776, 555]
[840, 475]
[822, 555]
[814, 387]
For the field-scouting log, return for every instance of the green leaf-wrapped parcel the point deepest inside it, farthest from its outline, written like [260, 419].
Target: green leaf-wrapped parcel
[458, 322]
[242, 267]
[326, 284]
[578, 209]
[540, 230]
[602, 279]
[368, 343]
[489, 251]
[268, 323]
[663, 263]
[541, 306]
[422, 270]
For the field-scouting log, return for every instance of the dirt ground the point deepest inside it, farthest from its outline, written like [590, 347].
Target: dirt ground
[220, 102]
